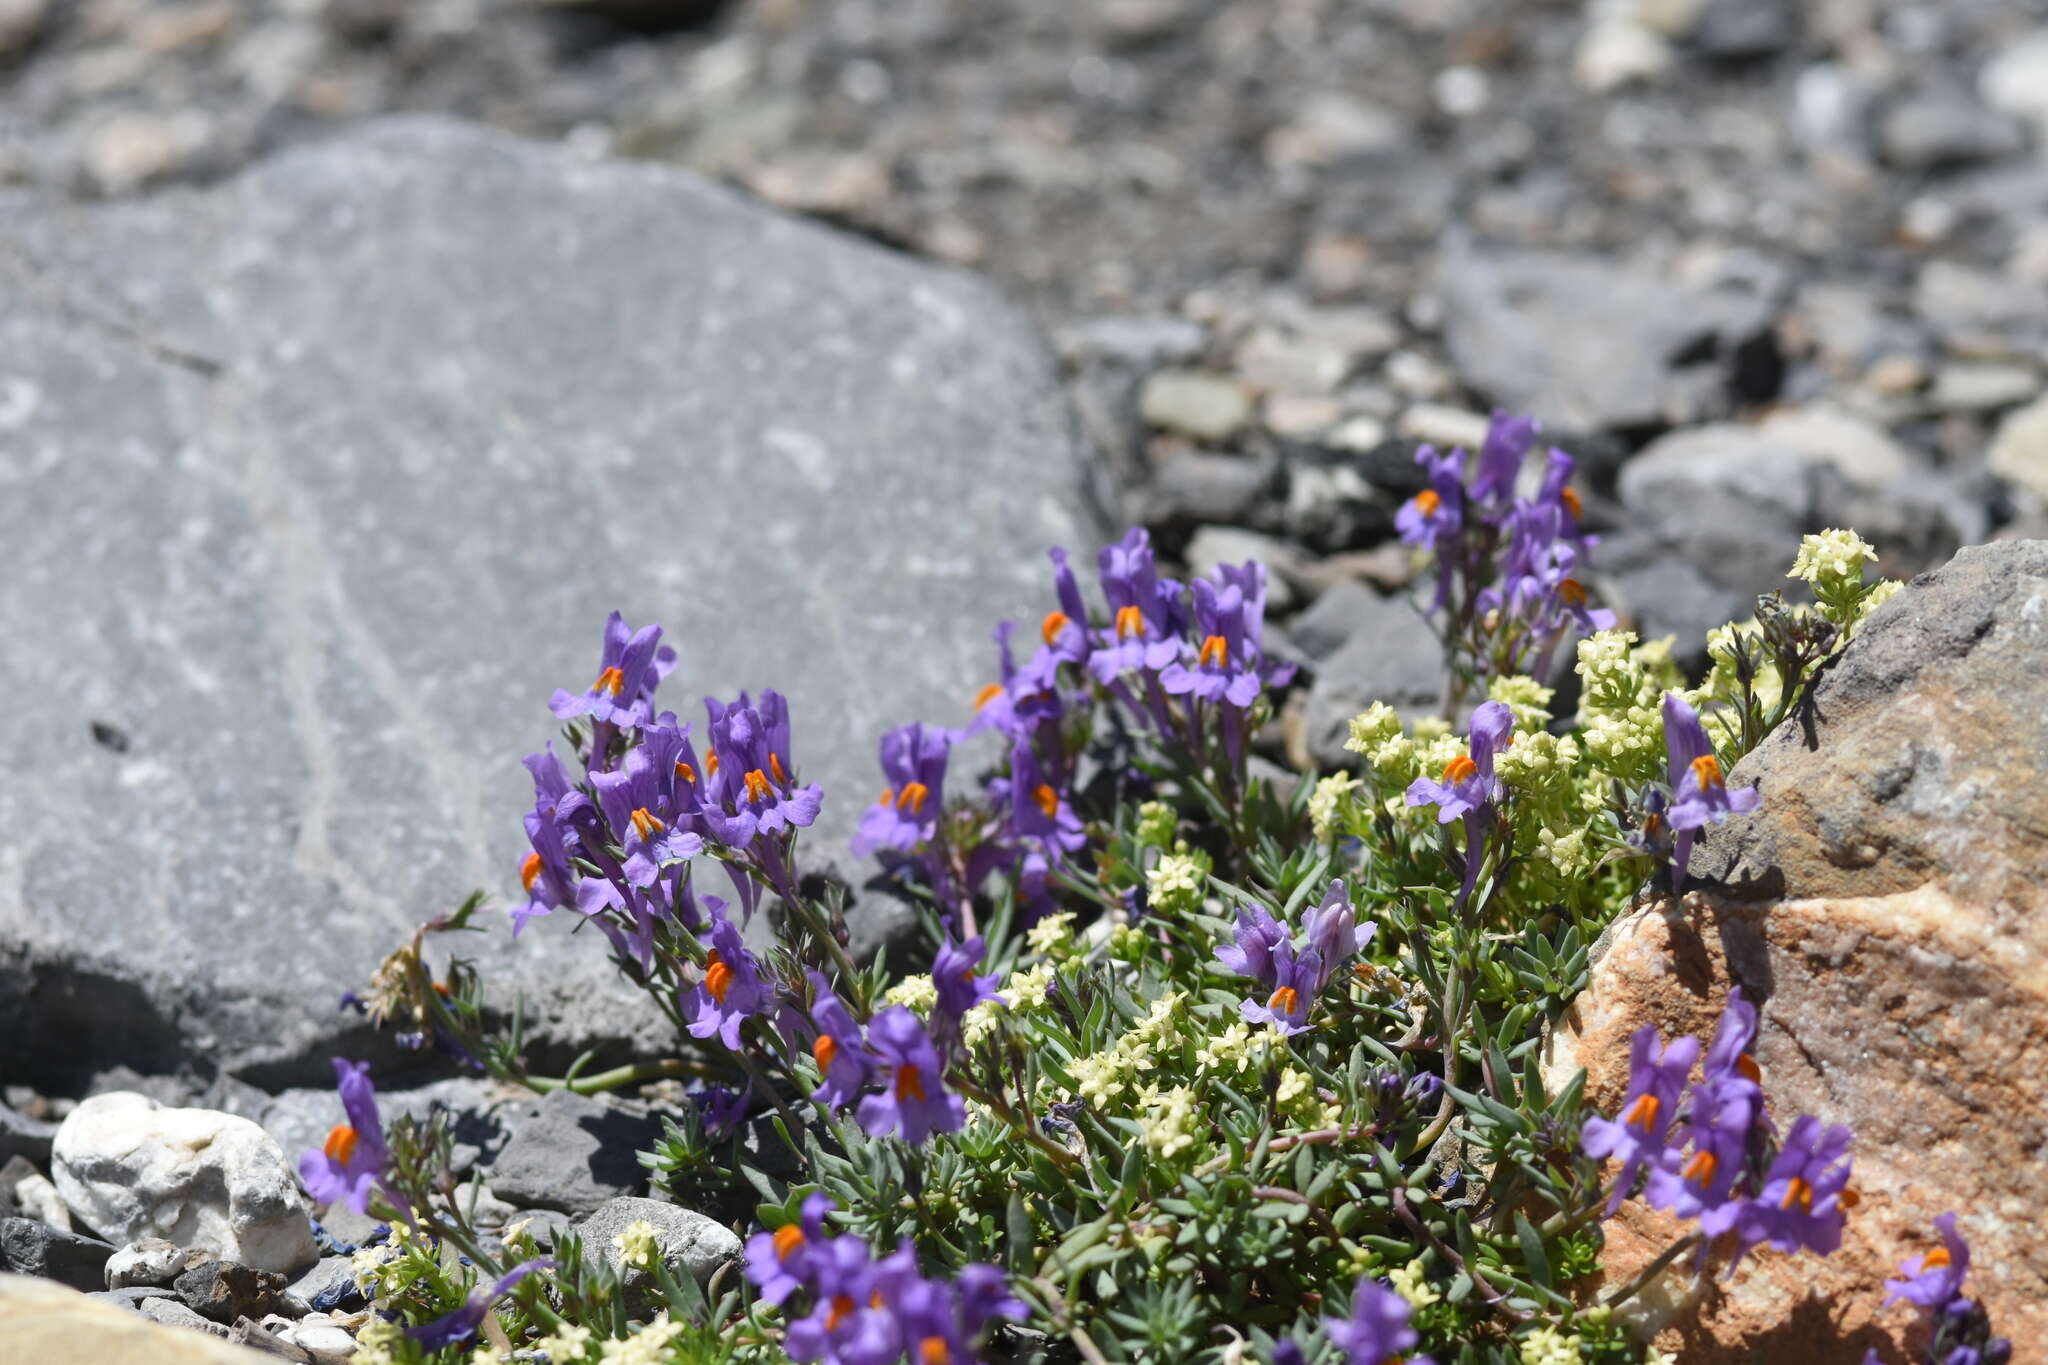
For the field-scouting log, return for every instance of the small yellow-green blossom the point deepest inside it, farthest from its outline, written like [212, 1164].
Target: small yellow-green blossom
[1569, 852]
[638, 1244]
[1327, 802]
[375, 1340]
[1373, 727]
[979, 1022]
[1026, 988]
[1410, 1284]
[1653, 1356]
[1527, 698]
[1548, 1346]
[1232, 1049]
[1832, 558]
[1105, 1075]
[1878, 594]
[1176, 883]
[1100, 1078]
[1295, 1096]
[1538, 761]
[571, 1342]
[915, 993]
[1156, 823]
[1052, 936]
[514, 1231]
[487, 1355]
[1431, 728]
[649, 1346]
[1169, 1122]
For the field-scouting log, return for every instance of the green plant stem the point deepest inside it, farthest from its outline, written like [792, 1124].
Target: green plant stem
[1651, 1271]
[618, 1076]
[1063, 1158]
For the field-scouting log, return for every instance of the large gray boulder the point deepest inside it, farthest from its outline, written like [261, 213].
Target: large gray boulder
[315, 484]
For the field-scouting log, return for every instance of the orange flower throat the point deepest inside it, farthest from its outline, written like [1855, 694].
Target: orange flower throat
[341, 1144]
[1459, 768]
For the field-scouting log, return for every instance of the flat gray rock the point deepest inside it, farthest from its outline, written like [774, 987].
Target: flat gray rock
[314, 485]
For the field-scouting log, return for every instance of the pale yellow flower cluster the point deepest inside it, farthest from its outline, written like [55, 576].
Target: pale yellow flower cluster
[915, 993]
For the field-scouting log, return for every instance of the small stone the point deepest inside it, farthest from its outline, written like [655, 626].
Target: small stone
[1982, 387]
[1300, 416]
[1866, 455]
[1330, 126]
[1340, 612]
[130, 1297]
[37, 1198]
[843, 184]
[16, 1170]
[1336, 266]
[1331, 508]
[1896, 374]
[1391, 656]
[1357, 434]
[2019, 452]
[151, 1261]
[1417, 375]
[1195, 403]
[129, 1168]
[20, 23]
[328, 1285]
[1461, 91]
[321, 1334]
[1193, 486]
[222, 1291]
[1138, 342]
[1442, 426]
[1274, 362]
[1615, 53]
[31, 1247]
[131, 150]
[172, 1313]
[1933, 132]
[1742, 30]
[1358, 333]
[2015, 81]
[1136, 22]
[691, 1244]
[572, 1152]
[21, 1135]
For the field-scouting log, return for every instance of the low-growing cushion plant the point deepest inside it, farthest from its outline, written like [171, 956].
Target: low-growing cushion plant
[1212, 1062]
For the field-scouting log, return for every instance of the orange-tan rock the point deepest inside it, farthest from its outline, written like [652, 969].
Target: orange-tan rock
[1888, 906]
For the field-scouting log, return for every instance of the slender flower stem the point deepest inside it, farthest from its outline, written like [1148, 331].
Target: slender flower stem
[619, 1076]
[1651, 1271]
[1022, 1126]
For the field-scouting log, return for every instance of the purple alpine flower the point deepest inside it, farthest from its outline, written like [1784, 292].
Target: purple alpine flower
[1468, 785]
[1700, 794]
[1638, 1133]
[731, 990]
[1377, 1330]
[779, 1262]
[1143, 629]
[1800, 1204]
[1039, 810]
[461, 1324]
[1225, 666]
[843, 1327]
[1295, 982]
[907, 812]
[353, 1159]
[1334, 933]
[1064, 631]
[1257, 935]
[1935, 1280]
[754, 789]
[640, 806]
[544, 873]
[960, 990]
[842, 1057]
[984, 1295]
[913, 1103]
[1723, 1113]
[634, 663]
[1507, 444]
[1433, 517]
[1287, 1351]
